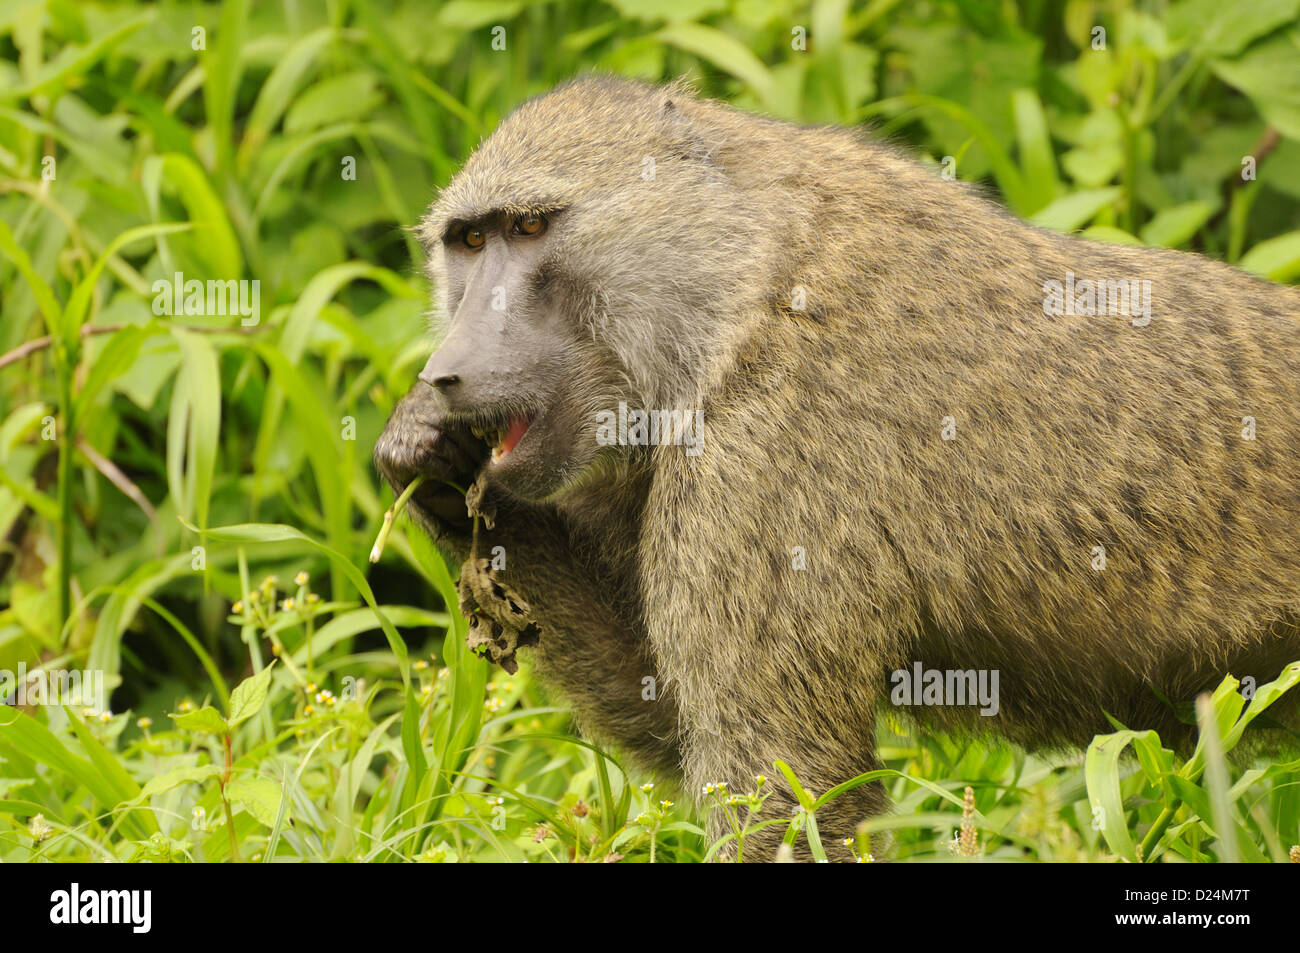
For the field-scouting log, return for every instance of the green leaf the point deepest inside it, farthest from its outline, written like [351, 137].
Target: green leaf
[1216, 782]
[74, 60]
[1256, 775]
[1034, 144]
[155, 364]
[1277, 259]
[277, 92]
[1195, 797]
[465, 15]
[249, 696]
[1005, 171]
[45, 300]
[281, 816]
[1156, 761]
[411, 746]
[352, 777]
[1108, 233]
[1101, 771]
[880, 774]
[353, 95]
[194, 427]
[206, 718]
[1215, 28]
[178, 776]
[33, 740]
[723, 51]
[1265, 695]
[347, 624]
[1076, 209]
[118, 355]
[979, 75]
[214, 243]
[610, 822]
[667, 9]
[1227, 706]
[325, 449]
[218, 683]
[814, 839]
[223, 64]
[258, 796]
[805, 801]
[124, 787]
[1094, 167]
[1269, 73]
[1175, 226]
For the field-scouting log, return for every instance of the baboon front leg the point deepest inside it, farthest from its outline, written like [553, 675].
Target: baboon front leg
[786, 701]
[585, 636]
[737, 754]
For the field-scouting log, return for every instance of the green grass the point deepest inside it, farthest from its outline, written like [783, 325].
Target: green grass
[157, 469]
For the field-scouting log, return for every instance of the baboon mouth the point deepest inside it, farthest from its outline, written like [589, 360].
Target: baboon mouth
[503, 437]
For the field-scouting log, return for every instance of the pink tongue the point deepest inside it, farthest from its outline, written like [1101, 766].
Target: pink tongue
[516, 431]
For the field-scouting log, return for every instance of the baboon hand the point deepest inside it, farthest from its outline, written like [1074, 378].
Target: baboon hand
[416, 442]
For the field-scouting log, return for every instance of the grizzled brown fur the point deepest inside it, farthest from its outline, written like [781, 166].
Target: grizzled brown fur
[823, 431]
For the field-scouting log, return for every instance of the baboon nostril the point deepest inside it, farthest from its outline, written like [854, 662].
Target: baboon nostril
[442, 381]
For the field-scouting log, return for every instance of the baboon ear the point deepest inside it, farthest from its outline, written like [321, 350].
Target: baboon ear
[671, 94]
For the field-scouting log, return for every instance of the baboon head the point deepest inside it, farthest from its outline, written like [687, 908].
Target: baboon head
[585, 255]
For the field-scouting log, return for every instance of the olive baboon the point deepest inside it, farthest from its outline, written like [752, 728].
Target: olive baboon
[932, 435]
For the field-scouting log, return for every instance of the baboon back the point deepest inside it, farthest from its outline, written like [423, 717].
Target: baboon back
[1169, 443]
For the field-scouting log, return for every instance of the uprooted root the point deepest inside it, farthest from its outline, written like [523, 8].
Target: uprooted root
[476, 505]
[499, 619]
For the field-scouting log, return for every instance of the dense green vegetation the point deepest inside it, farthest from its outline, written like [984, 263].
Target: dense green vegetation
[187, 501]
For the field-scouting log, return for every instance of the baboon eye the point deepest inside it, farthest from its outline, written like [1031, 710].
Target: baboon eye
[530, 224]
[473, 237]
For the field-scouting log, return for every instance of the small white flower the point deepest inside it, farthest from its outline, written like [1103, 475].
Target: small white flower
[39, 829]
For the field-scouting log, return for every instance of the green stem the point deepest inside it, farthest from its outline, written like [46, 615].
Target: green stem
[1129, 174]
[230, 815]
[1186, 72]
[311, 631]
[390, 517]
[1157, 830]
[67, 445]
